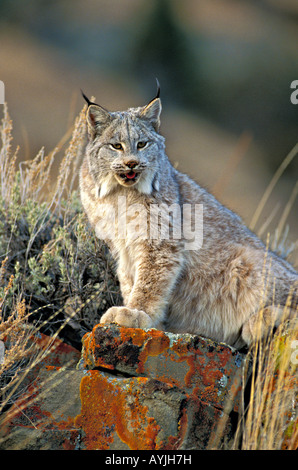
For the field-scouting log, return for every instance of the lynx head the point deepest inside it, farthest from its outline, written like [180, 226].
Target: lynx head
[125, 147]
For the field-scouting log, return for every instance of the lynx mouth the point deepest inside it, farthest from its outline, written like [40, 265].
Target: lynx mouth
[129, 177]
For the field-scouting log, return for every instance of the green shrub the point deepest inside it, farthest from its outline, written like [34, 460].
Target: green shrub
[57, 263]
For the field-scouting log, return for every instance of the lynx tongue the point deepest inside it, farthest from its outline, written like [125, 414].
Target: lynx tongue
[130, 175]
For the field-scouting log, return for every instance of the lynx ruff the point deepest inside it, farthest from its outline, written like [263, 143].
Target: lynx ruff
[177, 270]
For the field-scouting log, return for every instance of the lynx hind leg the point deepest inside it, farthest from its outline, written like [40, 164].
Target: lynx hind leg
[261, 324]
[127, 317]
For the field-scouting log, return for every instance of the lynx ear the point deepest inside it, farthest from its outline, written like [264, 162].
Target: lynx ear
[152, 112]
[97, 118]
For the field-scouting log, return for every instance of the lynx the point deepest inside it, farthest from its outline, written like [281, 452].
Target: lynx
[214, 287]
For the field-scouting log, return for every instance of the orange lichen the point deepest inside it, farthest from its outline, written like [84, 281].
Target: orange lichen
[88, 348]
[202, 366]
[206, 369]
[180, 348]
[108, 408]
[136, 336]
[183, 354]
[53, 368]
[156, 344]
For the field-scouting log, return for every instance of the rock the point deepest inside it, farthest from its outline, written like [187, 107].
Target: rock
[43, 417]
[148, 378]
[132, 389]
[203, 368]
[131, 413]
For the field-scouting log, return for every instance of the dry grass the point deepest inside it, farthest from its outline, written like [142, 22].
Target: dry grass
[14, 337]
[269, 418]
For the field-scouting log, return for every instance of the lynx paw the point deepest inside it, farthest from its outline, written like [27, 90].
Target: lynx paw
[130, 318]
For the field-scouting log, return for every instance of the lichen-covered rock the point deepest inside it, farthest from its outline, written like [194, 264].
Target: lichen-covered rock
[203, 368]
[157, 390]
[131, 413]
[132, 389]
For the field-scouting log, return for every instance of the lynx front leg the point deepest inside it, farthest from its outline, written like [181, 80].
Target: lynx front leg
[156, 275]
[126, 284]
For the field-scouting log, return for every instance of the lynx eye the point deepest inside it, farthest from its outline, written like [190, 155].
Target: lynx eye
[117, 146]
[141, 145]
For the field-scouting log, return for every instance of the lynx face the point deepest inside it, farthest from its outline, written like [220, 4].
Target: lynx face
[125, 147]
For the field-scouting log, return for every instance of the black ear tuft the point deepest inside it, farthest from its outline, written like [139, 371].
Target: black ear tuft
[87, 99]
[157, 92]
[158, 88]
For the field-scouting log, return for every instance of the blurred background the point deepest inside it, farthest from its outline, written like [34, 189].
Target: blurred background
[225, 68]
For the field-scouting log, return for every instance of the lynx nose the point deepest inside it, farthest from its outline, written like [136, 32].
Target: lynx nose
[131, 163]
